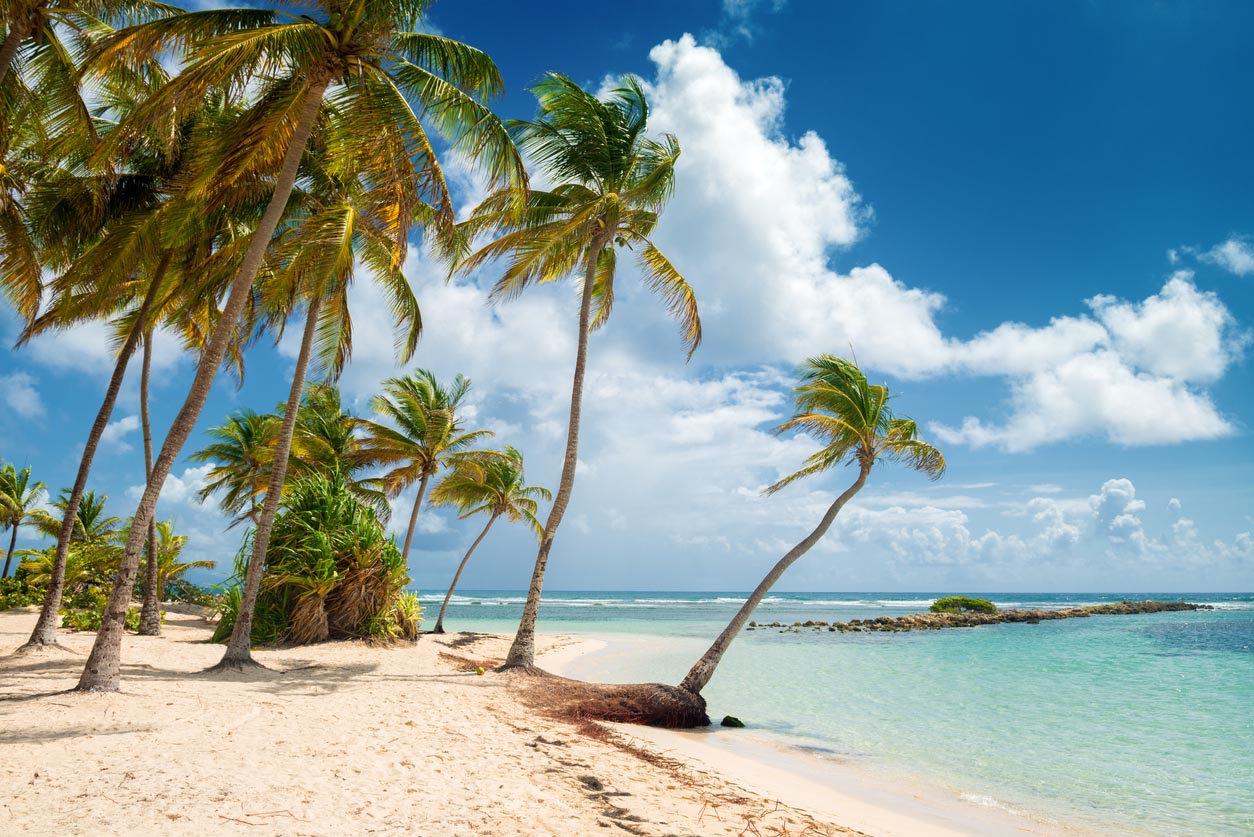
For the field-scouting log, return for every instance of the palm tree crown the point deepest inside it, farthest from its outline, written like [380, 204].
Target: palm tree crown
[855, 423]
[426, 432]
[495, 485]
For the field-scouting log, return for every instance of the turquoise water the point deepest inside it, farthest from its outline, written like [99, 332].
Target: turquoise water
[1143, 722]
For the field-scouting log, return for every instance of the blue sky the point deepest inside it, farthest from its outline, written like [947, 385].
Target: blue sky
[1035, 223]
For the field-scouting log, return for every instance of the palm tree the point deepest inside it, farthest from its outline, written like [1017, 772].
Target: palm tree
[39, 24]
[494, 485]
[853, 422]
[341, 220]
[326, 442]
[243, 454]
[89, 523]
[380, 76]
[168, 566]
[18, 498]
[428, 435]
[612, 183]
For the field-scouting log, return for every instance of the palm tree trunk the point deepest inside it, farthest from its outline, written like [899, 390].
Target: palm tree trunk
[18, 32]
[439, 622]
[701, 673]
[238, 650]
[8, 559]
[413, 516]
[522, 653]
[45, 633]
[105, 661]
[150, 614]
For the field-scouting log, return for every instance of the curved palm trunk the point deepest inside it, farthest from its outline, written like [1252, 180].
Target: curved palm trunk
[439, 622]
[150, 614]
[45, 633]
[413, 516]
[8, 559]
[522, 653]
[701, 673]
[105, 661]
[238, 649]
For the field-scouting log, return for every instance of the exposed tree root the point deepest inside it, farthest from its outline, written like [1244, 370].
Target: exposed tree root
[233, 664]
[31, 648]
[647, 704]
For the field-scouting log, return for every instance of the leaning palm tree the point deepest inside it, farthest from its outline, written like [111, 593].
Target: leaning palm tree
[425, 435]
[360, 65]
[853, 421]
[493, 485]
[18, 500]
[612, 183]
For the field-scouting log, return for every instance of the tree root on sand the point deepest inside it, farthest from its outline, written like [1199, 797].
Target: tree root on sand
[646, 704]
[230, 665]
[44, 648]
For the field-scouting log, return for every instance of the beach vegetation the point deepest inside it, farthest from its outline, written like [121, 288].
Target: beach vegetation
[423, 432]
[962, 604]
[331, 572]
[492, 485]
[611, 181]
[347, 84]
[19, 500]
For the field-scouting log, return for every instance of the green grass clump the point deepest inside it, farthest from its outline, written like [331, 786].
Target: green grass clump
[962, 604]
[331, 573]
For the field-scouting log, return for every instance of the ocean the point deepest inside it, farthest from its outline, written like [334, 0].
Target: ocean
[1143, 723]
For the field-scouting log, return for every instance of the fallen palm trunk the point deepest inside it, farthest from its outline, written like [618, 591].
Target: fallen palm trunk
[935, 621]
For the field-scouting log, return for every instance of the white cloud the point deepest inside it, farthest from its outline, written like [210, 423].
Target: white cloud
[116, 431]
[19, 394]
[1235, 255]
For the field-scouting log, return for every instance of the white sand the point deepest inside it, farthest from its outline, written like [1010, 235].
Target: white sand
[340, 739]
[343, 738]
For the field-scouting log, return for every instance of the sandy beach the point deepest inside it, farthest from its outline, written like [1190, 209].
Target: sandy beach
[344, 738]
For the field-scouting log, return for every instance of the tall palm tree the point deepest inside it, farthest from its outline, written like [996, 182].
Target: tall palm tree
[426, 434]
[341, 220]
[612, 183]
[18, 499]
[853, 421]
[358, 64]
[492, 485]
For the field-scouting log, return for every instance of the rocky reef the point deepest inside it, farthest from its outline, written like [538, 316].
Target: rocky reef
[936, 621]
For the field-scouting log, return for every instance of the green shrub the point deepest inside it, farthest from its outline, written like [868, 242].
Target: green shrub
[89, 620]
[962, 604]
[15, 592]
[331, 572]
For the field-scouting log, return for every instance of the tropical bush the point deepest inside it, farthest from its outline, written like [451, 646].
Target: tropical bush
[89, 620]
[16, 592]
[331, 572]
[962, 604]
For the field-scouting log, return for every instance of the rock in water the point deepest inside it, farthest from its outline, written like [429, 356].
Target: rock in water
[732, 721]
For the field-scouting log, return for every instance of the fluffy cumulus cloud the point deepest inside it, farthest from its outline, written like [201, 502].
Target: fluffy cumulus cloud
[19, 394]
[115, 432]
[1235, 255]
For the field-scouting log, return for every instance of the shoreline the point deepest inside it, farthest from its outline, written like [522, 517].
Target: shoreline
[797, 773]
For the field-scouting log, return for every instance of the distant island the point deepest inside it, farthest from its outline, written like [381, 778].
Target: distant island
[974, 618]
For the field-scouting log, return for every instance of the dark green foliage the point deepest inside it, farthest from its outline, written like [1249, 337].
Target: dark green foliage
[962, 604]
[331, 572]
